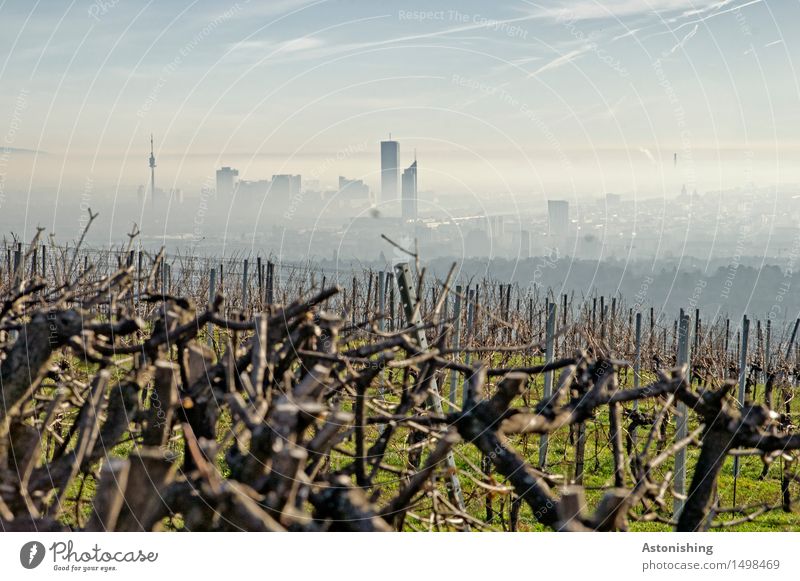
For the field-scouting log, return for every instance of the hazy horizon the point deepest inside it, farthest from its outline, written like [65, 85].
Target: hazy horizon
[564, 99]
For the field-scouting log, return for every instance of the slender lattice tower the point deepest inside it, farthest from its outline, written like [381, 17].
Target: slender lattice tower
[152, 170]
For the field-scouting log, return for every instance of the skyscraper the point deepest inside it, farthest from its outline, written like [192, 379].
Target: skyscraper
[390, 165]
[409, 192]
[285, 186]
[226, 181]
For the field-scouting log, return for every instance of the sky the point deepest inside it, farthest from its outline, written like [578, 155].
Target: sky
[538, 98]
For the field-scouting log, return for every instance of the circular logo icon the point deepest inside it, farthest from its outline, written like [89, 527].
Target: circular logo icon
[31, 554]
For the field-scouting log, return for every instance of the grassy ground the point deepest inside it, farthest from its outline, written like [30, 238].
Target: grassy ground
[750, 490]
[598, 474]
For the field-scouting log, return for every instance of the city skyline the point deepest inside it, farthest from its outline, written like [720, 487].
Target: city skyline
[504, 98]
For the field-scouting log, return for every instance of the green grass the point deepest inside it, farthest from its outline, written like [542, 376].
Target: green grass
[598, 471]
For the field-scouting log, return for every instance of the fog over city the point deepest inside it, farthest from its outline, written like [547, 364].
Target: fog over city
[530, 141]
[310, 266]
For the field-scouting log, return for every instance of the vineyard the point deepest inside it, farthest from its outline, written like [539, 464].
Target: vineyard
[146, 391]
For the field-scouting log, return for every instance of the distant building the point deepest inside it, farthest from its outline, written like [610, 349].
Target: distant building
[613, 199]
[524, 244]
[558, 217]
[409, 193]
[284, 186]
[477, 243]
[226, 181]
[252, 189]
[352, 190]
[390, 164]
[497, 226]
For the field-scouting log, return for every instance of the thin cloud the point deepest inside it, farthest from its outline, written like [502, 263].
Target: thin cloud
[22, 150]
[648, 154]
[276, 8]
[333, 49]
[250, 45]
[683, 41]
[559, 62]
[524, 61]
[294, 45]
[631, 32]
[718, 13]
[711, 8]
[299, 44]
[591, 10]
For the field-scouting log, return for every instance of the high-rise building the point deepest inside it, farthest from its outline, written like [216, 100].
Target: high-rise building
[226, 181]
[558, 217]
[390, 166]
[409, 192]
[285, 186]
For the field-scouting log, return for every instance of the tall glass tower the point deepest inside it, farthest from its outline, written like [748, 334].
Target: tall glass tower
[409, 192]
[390, 164]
